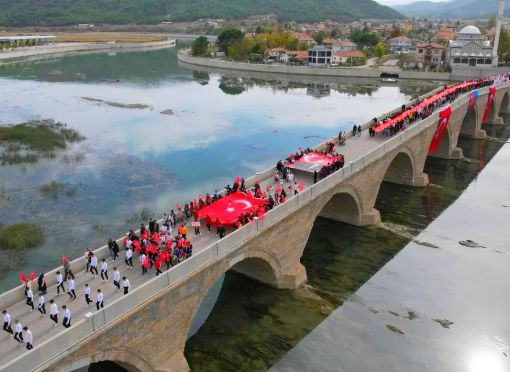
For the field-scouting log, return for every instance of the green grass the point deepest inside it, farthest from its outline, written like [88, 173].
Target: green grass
[20, 236]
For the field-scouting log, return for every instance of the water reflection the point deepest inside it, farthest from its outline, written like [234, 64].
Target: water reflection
[190, 139]
[339, 258]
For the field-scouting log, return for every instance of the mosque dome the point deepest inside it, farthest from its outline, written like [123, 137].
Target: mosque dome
[470, 30]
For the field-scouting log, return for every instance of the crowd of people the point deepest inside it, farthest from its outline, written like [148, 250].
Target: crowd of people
[416, 111]
[157, 246]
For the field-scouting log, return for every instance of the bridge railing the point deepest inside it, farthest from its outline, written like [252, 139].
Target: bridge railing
[17, 293]
[45, 353]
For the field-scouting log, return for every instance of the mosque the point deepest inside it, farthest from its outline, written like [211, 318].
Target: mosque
[470, 49]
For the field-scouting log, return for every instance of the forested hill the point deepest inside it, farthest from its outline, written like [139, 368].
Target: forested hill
[466, 9]
[68, 12]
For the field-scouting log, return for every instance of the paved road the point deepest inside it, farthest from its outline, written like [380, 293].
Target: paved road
[44, 329]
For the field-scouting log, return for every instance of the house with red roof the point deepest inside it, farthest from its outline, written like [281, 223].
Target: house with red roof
[401, 44]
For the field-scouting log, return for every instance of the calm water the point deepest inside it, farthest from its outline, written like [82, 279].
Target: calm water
[221, 126]
[252, 326]
[136, 159]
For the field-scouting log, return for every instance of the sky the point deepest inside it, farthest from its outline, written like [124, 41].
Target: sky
[399, 2]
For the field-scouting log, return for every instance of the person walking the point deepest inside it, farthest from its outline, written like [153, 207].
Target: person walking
[41, 282]
[28, 338]
[67, 267]
[7, 322]
[30, 298]
[354, 129]
[129, 258]
[67, 317]
[99, 300]
[18, 336]
[87, 257]
[54, 312]
[60, 283]
[116, 278]
[87, 294]
[41, 306]
[93, 264]
[125, 285]
[71, 289]
[115, 250]
[359, 130]
[104, 270]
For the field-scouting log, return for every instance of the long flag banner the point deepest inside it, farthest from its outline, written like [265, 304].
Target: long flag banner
[444, 118]
[473, 97]
[490, 101]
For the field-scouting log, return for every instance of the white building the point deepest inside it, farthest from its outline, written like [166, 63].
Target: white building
[319, 55]
[470, 49]
[401, 44]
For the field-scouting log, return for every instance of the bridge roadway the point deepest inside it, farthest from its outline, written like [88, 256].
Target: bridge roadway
[52, 343]
[44, 329]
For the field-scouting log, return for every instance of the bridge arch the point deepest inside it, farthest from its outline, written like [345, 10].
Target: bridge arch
[402, 169]
[344, 206]
[470, 124]
[503, 108]
[129, 360]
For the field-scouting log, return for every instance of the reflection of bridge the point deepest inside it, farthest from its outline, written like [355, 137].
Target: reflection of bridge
[147, 329]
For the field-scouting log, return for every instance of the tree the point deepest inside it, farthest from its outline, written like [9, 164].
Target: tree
[200, 46]
[228, 37]
[395, 32]
[334, 33]
[504, 46]
[379, 49]
[492, 22]
[319, 37]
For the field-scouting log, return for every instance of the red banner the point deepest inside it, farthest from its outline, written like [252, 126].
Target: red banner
[473, 97]
[444, 118]
[490, 101]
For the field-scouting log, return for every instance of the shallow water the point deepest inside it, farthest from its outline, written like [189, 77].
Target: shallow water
[253, 326]
[141, 159]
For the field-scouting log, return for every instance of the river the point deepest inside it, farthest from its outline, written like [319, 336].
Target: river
[220, 127]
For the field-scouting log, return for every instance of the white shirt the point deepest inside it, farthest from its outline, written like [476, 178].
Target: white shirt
[116, 276]
[28, 336]
[71, 284]
[41, 301]
[142, 258]
[18, 328]
[93, 261]
[60, 279]
[87, 291]
[30, 294]
[53, 309]
[125, 283]
[99, 297]
[7, 318]
[67, 314]
[104, 266]
[129, 253]
[128, 243]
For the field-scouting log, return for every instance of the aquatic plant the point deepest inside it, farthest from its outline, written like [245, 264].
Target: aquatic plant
[20, 236]
[54, 188]
[27, 142]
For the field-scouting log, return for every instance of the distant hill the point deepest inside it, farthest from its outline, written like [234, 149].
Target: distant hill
[68, 12]
[466, 9]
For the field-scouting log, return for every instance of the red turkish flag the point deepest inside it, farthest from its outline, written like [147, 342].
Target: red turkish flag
[23, 278]
[490, 101]
[444, 118]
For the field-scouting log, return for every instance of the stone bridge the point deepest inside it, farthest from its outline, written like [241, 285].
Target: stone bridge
[147, 329]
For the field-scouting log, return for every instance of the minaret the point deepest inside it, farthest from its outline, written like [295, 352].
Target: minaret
[499, 20]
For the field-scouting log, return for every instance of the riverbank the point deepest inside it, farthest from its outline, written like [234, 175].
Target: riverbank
[185, 58]
[439, 304]
[34, 53]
